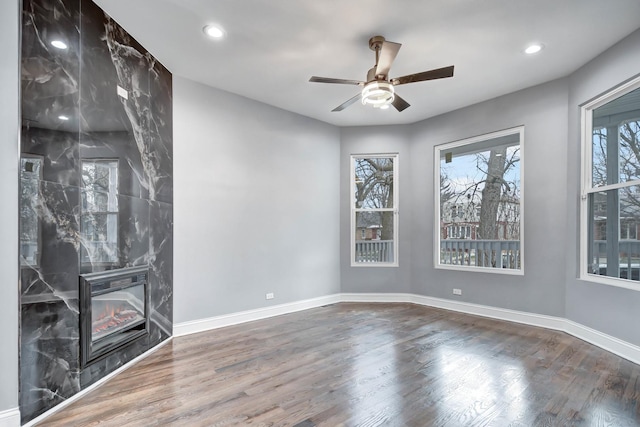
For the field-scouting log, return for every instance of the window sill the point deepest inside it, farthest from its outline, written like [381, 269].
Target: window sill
[505, 271]
[611, 281]
[374, 264]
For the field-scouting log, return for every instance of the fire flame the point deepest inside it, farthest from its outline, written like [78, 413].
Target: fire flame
[113, 316]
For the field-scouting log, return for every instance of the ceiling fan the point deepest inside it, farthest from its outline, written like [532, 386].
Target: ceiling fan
[378, 90]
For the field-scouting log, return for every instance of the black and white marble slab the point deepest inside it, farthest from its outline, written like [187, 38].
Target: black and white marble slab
[104, 367]
[50, 76]
[133, 231]
[161, 134]
[58, 150]
[51, 232]
[106, 101]
[49, 345]
[115, 100]
[161, 270]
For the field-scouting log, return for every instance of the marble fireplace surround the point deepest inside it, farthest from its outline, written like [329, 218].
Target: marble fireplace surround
[96, 189]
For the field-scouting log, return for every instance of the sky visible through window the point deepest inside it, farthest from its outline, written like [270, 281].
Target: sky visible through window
[467, 170]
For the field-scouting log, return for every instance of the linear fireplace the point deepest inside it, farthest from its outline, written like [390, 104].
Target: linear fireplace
[113, 311]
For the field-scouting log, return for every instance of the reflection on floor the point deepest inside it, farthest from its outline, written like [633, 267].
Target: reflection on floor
[358, 364]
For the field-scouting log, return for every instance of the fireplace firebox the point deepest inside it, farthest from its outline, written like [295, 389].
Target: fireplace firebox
[113, 311]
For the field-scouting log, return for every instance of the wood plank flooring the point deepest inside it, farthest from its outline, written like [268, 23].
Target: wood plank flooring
[367, 365]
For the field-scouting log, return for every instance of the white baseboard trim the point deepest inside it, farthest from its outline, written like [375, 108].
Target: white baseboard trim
[92, 387]
[376, 297]
[615, 345]
[532, 319]
[195, 326]
[10, 418]
[541, 320]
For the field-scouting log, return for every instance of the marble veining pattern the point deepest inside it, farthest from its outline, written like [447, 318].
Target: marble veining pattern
[96, 188]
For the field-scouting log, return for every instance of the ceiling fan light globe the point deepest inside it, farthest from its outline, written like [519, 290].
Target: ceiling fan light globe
[377, 94]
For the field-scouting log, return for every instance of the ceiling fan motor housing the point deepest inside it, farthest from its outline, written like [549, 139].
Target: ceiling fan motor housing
[375, 42]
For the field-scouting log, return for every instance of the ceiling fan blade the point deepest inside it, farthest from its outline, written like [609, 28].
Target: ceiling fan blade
[439, 73]
[388, 53]
[347, 103]
[399, 103]
[338, 81]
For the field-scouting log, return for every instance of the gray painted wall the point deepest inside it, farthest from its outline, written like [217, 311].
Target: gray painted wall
[543, 112]
[376, 140]
[9, 123]
[255, 204]
[612, 310]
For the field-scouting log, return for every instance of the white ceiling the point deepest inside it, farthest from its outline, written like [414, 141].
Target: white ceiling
[273, 47]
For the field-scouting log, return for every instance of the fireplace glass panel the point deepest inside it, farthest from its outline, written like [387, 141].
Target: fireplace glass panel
[116, 311]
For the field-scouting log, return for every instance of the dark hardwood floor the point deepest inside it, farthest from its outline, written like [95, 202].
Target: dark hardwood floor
[368, 365]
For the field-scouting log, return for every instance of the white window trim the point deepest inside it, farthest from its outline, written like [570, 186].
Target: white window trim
[586, 118]
[353, 209]
[436, 182]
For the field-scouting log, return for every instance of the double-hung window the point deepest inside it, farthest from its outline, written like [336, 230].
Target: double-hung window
[374, 210]
[610, 205]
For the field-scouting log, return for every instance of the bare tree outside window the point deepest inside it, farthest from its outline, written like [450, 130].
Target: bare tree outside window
[374, 209]
[480, 196]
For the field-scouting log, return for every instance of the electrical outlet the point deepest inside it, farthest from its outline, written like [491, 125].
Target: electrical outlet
[457, 291]
[270, 295]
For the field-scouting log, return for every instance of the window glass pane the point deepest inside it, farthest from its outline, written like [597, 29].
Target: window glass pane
[599, 156]
[99, 238]
[480, 196]
[374, 237]
[99, 220]
[374, 183]
[100, 185]
[616, 135]
[614, 250]
[30, 175]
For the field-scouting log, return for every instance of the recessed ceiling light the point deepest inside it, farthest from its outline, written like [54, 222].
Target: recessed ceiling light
[534, 48]
[63, 118]
[59, 44]
[213, 31]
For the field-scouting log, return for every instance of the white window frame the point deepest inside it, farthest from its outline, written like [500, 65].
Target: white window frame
[436, 226]
[354, 209]
[586, 136]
